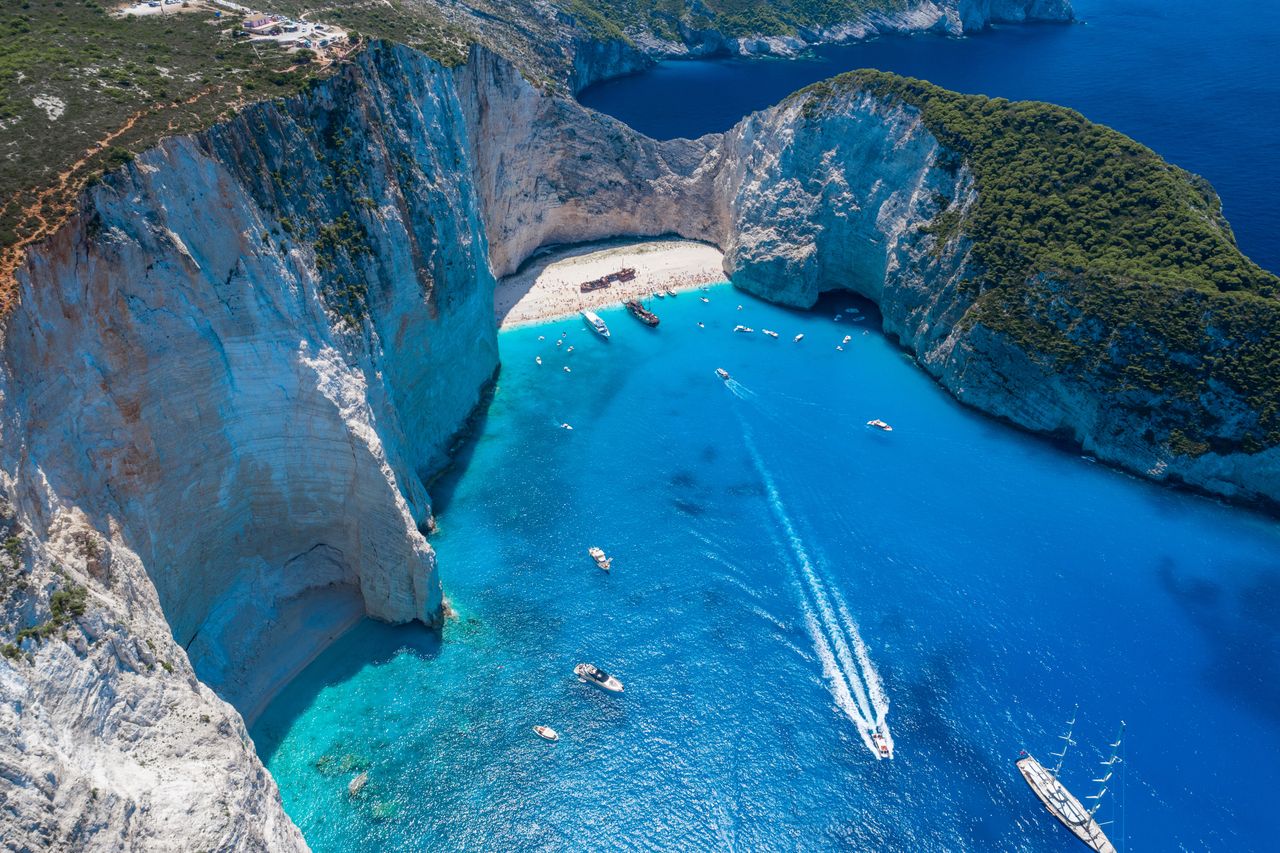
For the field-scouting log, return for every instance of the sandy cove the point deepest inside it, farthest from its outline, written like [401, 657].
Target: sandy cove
[548, 285]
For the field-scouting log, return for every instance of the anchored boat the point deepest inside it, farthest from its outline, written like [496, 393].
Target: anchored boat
[594, 321]
[1061, 803]
[592, 674]
[644, 315]
[546, 733]
[880, 425]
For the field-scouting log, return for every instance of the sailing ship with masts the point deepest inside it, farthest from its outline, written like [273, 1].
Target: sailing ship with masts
[1061, 803]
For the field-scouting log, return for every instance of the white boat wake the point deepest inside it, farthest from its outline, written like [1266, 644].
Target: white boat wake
[852, 678]
[742, 392]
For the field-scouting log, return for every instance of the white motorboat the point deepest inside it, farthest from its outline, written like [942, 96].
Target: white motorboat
[847, 338]
[546, 733]
[722, 373]
[770, 332]
[538, 359]
[592, 674]
[594, 321]
[602, 561]
[704, 299]
[567, 370]
[798, 338]
[743, 329]
[880, 425]
[566, 426]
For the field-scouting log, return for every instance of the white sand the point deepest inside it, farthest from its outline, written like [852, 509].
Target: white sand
[547, 287]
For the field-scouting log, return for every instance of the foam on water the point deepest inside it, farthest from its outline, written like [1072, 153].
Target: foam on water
[825, 629]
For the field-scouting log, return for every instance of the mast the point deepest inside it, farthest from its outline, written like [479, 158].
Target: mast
[1108, 768]
[1066, 742]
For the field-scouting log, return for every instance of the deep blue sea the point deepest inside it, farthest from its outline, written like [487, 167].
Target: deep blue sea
[784, 577]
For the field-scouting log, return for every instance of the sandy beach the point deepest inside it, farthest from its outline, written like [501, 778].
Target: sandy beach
[548, 286]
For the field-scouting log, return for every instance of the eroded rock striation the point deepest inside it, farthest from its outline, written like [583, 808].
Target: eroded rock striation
[230, 375]
[227, 380]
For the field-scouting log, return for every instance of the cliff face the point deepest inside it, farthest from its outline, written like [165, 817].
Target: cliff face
[950, 17]
[577, 44]
[549, 171]
[230, 373]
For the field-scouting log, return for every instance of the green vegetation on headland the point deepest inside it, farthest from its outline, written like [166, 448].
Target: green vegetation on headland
[612, 18]
[1097, 256]
[82, 90]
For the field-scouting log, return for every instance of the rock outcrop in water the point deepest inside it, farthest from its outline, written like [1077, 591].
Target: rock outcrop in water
[230, 374]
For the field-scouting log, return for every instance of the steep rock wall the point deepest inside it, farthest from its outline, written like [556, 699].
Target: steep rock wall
[595, 61]
[548, 171]
[233, 370]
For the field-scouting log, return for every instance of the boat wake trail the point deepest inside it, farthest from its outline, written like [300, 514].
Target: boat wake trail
[737, 389]
[852, 678]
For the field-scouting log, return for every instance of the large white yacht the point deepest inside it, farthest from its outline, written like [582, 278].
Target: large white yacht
[594, 321]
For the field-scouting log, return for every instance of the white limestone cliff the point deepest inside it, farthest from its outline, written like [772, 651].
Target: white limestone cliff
[180, 380]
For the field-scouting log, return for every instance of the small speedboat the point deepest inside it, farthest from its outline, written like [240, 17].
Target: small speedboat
[538, 359]
[704, 299]
[722, 373]
[560, 342]
[594, 321]
[700, 326]
[798, 338]
[880, 425]
[846, 340]
[592, 674]
[546, 733]
[739, 307]
[839, 348]
[598, 555]
[566, 426]
[671, 293]
[770, 332]
[743, 329]
[542, 337]
[881, 743]
[567, 370]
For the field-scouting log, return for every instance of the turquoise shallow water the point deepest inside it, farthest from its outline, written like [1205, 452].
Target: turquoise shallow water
[759, 530]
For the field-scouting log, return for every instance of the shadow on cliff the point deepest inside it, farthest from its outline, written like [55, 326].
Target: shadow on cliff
[443, 485]
[369, 644]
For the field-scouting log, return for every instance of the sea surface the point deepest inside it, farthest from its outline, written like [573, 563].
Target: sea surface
[785, 578]
[1196, 80]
